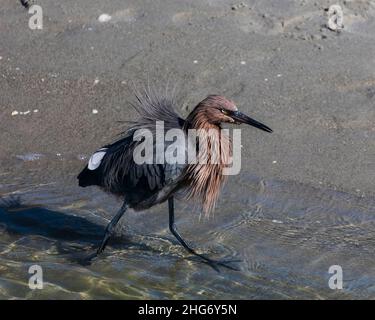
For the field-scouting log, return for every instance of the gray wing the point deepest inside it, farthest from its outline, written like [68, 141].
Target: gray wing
[123, 171]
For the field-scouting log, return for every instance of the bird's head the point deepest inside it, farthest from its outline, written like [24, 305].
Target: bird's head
[219, 109]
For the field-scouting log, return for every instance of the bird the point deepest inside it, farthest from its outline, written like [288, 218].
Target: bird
[143, 185]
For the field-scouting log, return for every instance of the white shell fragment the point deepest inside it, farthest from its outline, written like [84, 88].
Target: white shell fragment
[104, 17]
[81, 157]
[277, 221]
[29, 156]
[335, 18]
[96, 159]
[15, 112]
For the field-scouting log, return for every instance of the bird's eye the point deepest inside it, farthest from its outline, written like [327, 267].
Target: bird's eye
[224, 111]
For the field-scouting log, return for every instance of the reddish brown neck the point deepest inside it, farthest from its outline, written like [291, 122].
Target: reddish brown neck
[199, 119]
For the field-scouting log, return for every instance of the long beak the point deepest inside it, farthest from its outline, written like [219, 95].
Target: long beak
[243, 118]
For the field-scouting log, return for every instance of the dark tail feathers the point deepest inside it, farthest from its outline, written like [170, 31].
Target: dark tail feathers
[88, 178]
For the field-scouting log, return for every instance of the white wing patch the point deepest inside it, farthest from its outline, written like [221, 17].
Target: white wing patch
[96, 159]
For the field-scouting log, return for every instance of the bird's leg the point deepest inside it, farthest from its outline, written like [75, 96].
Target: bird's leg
[111, 228]
[172, 227]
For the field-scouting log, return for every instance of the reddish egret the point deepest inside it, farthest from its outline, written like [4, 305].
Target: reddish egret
[25, 3]
[142, 186]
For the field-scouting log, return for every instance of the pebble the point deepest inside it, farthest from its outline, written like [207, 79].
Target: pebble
[238, 6]
[94, 111]
[335, 18]
[104, 17]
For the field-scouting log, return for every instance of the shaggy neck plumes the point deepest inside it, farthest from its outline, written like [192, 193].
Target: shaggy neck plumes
[205, 178]
[200, 119]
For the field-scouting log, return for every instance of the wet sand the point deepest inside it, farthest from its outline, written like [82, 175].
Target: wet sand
[314, 87]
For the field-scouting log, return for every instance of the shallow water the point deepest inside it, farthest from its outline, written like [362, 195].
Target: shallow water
[286, 235]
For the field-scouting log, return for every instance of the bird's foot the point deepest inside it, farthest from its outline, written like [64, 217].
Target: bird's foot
[215, 264]
[91, 257]
[87, 260]
[103, 244]
[100, 249]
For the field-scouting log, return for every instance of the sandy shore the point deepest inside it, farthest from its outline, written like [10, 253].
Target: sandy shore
[275, 59]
